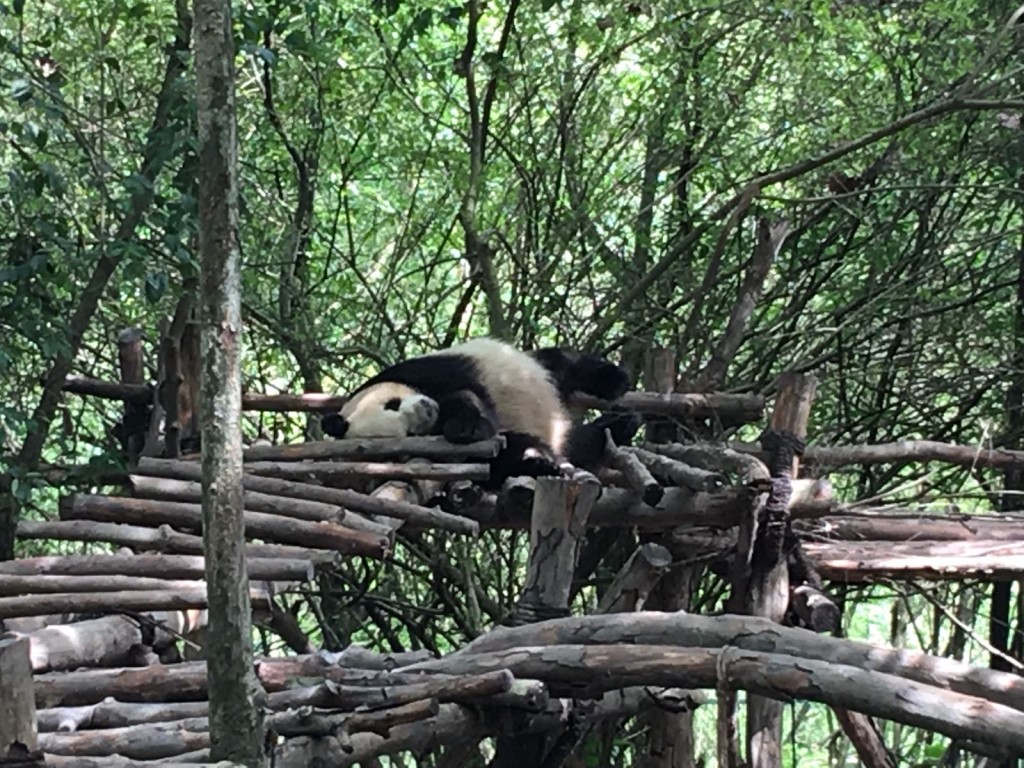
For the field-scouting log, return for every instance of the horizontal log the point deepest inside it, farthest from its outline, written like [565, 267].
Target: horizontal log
[106, 641]
[115, 602]
[161, 539]
[285, 403]
[168, 566]
[590, 670]
[11, 586]
[903, 452]
[736, 408]
[187, 681]
[147, 742]
[109, 390]
[455, 724]
[375, 449]
[620, 507]
[654, 628]
[194, 759]
[731, 408]
[430, 518]
[912, 528]
[285, 530]
[358, 470]
[111, 713]
[301, 509]
[926, 560]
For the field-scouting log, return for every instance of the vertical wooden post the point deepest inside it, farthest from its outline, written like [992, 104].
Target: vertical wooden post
[769, 583]
[18, 734]
[131, 362]
[561, 508]
[660, 376]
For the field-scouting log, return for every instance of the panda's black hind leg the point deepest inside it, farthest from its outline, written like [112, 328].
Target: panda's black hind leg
[523, 456]
[578, 372]
[587, 441]
[601, 378]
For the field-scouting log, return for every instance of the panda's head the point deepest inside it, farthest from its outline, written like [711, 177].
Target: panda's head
[387, 409]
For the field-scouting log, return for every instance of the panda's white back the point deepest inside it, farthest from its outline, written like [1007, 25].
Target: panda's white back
[525, 398]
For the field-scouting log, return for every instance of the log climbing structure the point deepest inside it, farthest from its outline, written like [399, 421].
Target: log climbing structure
[108, 637]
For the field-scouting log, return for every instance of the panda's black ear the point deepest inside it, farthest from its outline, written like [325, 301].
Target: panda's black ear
[334, 424]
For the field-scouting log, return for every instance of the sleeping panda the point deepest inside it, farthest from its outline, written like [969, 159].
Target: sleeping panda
[483, 387]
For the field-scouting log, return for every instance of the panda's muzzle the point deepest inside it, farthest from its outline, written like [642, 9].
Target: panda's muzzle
[422, 415]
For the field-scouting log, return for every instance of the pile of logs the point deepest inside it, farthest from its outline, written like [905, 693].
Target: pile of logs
[309, 505]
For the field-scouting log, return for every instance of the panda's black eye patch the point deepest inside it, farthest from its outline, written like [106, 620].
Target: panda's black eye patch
[393, 404]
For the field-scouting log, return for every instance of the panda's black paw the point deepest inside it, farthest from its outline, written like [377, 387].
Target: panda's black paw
[621, 421]
[334, 425]
[535, 463]
[467, 428]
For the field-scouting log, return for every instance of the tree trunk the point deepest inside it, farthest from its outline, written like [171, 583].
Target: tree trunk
[236, 725]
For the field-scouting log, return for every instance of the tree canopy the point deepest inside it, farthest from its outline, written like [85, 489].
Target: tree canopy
[829, 186]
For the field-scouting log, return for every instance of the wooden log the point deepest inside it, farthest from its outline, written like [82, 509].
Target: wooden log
[768, 594]
[12, 586]
[436, 449]
[285, 403]
[455, 724]
[744, 633]
[925, 560]
[621, 508]
[17, 703]
[111, 713]
[162, 539]
[301, 509]
[105, 641]
[168, 566]
[679, 473]
[904, 452]
[109, 390]
[730, 408]
[194, 759]
[187, 681]
[116, 602]
[560, 511]
[361, 470]
[637, 476]
[635, 580]
[285, 530]
[589, 670]
[138, 742]
[134, 424]
[913, 528]
[302, 723]
[350, 697]
[431, 518]
[660, 375]
[727, 407]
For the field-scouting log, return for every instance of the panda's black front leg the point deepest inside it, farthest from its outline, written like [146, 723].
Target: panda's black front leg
[524, 456]
[464, 418]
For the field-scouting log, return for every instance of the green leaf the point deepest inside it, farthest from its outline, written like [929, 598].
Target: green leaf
[21, 90]
[155, 286]
[18, 7]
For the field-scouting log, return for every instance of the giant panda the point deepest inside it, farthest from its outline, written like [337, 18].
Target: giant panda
[484, 387]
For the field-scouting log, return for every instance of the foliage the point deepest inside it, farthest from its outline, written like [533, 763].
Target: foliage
[582, 184]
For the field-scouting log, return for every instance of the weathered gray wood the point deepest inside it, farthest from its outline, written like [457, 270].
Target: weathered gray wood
[17, 702]
[561, 507]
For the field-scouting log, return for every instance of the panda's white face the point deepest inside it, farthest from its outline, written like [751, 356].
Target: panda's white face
[389, 410]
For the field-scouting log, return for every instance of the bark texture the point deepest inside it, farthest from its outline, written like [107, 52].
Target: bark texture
[236, 724]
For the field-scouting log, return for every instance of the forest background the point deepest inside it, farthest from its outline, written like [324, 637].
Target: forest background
[597, 174]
